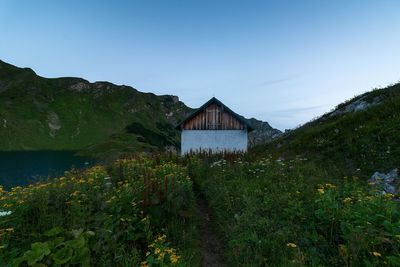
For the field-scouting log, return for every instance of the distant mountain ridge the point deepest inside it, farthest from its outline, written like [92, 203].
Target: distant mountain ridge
[70, 113]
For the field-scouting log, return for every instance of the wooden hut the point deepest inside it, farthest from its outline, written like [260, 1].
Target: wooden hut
[214, 127]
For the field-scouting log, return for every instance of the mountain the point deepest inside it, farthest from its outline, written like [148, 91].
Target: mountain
[263, 132]
[72, 114]
[97, 118]
[359, 136]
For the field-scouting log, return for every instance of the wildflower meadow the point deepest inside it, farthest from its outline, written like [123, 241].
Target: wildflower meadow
[135, 212]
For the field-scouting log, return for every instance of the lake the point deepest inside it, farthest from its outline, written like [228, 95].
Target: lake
[26, 167]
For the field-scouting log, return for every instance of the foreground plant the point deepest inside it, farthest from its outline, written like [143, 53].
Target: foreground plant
[102, 216]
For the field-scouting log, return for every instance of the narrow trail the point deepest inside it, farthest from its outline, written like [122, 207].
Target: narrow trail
[212, 249]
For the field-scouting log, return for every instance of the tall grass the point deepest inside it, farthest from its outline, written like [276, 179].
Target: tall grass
[137, 211]
[275, 212]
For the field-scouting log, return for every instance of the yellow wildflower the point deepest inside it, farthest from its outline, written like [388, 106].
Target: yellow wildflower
[330, 185]
[291, 245]
[10, 230]
[321, 190]
[144, 264]
[161, 256]
[389, 196]
[376, 254]
[74, 193]
[170, 250]
[347, 200]
[174, 258]
[161, 238]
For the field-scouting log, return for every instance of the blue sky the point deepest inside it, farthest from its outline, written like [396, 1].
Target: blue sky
[284, 62]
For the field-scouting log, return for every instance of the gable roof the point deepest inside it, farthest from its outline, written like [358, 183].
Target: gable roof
[225, 108]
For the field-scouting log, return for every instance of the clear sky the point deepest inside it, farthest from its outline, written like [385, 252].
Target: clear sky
[284, 62]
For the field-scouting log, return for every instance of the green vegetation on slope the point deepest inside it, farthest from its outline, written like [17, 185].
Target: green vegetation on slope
[359, 143]
[72, 114]
[303, 200]
[137, 211]
[293, 213]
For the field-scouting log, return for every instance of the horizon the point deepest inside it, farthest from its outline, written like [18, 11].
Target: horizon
[321, 55]
[138, 89]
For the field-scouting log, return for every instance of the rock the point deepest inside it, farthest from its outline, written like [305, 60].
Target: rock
[175, 99]
[262, 133]
[53, 121]
[3, 87]
[388, 182]
[80, 86]
[358, 105]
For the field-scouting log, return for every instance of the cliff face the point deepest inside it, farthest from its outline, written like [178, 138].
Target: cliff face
[263, 132]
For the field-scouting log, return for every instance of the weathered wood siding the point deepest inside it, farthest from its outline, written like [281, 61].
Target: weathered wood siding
[213, 117]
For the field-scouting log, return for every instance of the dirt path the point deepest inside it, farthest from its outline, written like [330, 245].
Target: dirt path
[211, 246]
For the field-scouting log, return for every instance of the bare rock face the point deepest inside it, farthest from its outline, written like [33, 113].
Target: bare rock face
[389, 183]
[263, 132]
[358, 105]
[3, 87]
[80, 86]
[175, 98]
[53, 121]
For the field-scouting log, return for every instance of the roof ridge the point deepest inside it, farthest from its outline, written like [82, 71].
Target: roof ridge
[226, 108]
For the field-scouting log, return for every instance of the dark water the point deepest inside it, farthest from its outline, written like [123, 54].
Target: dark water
[22, 168]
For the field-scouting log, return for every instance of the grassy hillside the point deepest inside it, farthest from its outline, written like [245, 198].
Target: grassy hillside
[98, 119]
[72, 114]
[356, 142]
[302, 200]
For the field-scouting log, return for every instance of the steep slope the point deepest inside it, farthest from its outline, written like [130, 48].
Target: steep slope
[71, 114]
[359, 136]
[97, 119]
[263, 132]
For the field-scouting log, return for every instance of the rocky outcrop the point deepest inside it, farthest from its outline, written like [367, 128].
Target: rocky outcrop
[80, 86]
[263, 132]
[53, 121]
[388, 183]
[355, 106]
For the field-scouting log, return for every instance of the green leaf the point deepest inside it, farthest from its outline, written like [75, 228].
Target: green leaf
[76, 244]
[17, 262]
[393, 260]
[63, 255]
[54, 231]
[37, 253]
[56, 242]
[81, 256]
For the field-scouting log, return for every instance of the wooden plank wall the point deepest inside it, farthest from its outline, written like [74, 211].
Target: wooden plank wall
[213, 118]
